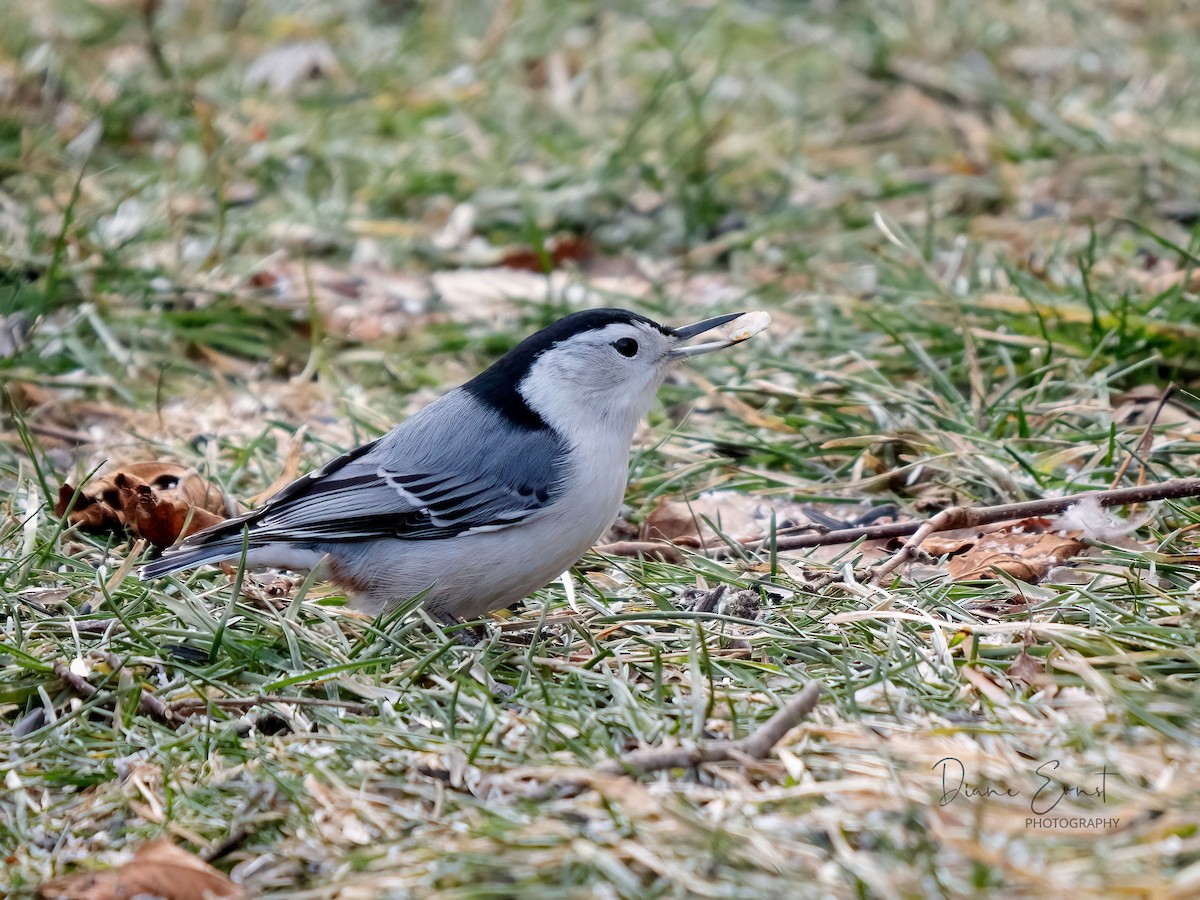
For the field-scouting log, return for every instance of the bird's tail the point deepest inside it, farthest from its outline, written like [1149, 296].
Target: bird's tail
[224, 541]
[184, 557]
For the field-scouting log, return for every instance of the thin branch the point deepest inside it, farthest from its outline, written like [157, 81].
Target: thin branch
[756, 745]
[965, 517]
[968, 517]
[77, 683]
[946, 520]
[148, 704]
[759, 743]
[943, 521]
[53, 432]
[196, 704]
[170, 713]
[663, 551]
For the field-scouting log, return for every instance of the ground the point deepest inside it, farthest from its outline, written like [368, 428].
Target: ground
[244, 237]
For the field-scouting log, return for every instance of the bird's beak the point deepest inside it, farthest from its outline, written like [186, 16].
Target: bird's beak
[687, 332]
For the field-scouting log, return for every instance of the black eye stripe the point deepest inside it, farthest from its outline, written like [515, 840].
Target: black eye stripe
[626, 346]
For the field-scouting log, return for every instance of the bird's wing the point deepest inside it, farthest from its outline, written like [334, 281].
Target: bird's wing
[454, 468]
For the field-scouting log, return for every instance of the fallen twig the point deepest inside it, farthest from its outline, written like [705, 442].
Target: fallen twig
[66, 435]
[147, 702]
[946, 520]
[966, 517]
[170, 713]
[756, 745]
[974, 517]
[193, 704]
[663, 551]
[76, 683]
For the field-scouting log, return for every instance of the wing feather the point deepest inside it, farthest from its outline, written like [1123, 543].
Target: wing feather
[421, 481]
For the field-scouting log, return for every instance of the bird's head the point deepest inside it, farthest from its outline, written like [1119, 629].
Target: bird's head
[595, 367]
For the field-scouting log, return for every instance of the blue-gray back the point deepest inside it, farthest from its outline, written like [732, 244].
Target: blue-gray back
[456, 466]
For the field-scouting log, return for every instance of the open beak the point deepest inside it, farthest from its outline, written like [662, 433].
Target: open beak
[687, 332]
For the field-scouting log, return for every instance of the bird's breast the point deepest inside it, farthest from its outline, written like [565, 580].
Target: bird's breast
[596, 483]
[473, 573]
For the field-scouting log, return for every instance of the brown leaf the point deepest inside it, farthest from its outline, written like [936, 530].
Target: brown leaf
[738, 515]
[1025, 669]
[936, 545]
[670, 521]
[364, 303]
[159, 501]
[985, 686]
[158, 869]
[1145, 405]
[89, 513]
[1026, 557]
[159, 517]
[559, 250]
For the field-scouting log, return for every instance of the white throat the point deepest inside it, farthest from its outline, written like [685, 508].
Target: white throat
[587, 412]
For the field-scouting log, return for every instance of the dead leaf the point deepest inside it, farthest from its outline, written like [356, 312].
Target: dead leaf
[1026, 557]
[1144, 405]
[673, 521]
[741, 516]
[271, 589]
[158, 869]
[160, 518]
[559, 250]
[1025, 669]
[985, 686]
[363, 304]
[89, 513]
[936, 545]
[159, 501]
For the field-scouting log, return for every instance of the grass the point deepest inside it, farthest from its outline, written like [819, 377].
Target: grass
[974, 225]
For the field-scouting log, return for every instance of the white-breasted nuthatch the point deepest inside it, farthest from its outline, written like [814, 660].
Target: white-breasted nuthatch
[488, 493]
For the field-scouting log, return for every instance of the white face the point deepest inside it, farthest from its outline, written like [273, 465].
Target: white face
[607, 378]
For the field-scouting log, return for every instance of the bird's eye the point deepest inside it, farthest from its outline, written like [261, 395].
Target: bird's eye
[626, 346]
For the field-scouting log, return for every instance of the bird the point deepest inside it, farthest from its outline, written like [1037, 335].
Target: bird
[483, 496]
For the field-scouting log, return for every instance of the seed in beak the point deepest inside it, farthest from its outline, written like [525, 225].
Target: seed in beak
[736, 328]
